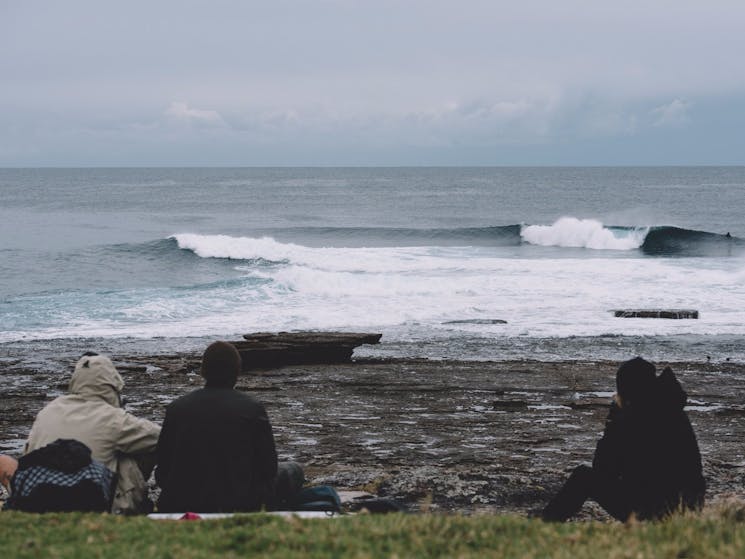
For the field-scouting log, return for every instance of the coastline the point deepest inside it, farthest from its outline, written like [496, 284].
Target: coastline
[456, 436]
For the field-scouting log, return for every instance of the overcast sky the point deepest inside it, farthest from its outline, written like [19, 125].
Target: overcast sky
[378, 82]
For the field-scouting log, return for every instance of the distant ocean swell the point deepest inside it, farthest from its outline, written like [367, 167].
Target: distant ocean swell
[564, 233]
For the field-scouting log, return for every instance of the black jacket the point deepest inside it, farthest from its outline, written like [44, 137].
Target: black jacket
[650, 448]
[215, 453]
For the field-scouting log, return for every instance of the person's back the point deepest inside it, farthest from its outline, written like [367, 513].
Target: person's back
[216, 451]
[91, 413]
[647, 462]
[654, 448]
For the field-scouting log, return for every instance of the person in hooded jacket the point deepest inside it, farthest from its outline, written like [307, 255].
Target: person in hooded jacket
[647, 463]
[92, 413]
[216, 451]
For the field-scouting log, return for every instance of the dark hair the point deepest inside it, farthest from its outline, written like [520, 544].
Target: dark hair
[221, 364]
[636, 381]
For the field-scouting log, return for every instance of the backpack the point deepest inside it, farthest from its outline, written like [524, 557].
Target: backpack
[320, 497]
[61, 477]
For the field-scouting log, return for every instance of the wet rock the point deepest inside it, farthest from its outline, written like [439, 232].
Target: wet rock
[656, 313]
[365, 479]
[585, 403]
[24, 395]
[265, 350]
[510, 405]
[477, 321]
[731, 411]
[426, 433]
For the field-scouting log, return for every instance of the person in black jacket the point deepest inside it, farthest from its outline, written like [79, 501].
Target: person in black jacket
[216, 448]
[647, 463]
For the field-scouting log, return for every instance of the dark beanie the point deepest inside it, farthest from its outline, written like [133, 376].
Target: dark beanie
[221, 364]
[635, 380]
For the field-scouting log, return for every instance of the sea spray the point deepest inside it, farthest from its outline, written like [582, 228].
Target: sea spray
[582, 233]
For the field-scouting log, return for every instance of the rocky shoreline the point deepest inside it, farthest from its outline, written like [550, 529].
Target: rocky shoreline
[454, 436]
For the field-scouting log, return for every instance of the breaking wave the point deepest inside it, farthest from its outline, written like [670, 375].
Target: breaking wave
[567, 232]
[584, 233]
[660, 240]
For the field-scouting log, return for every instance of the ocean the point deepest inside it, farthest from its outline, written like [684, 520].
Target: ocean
[462, 263]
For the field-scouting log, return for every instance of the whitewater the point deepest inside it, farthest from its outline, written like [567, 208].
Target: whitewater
[188, 269]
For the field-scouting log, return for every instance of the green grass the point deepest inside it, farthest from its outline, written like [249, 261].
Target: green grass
[719, 534]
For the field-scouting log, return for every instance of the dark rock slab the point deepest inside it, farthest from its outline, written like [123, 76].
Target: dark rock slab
[656, 313]
[21, 394]
[590, 403]
[510, 405]
[267, 350]
[477, 321]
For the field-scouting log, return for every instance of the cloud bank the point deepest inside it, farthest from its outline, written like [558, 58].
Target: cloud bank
[349, 82]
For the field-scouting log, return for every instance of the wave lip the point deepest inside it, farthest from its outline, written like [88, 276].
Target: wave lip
[236, 248]
[572, 232]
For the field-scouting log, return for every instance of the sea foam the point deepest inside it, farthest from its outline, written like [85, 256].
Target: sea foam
[236, 248]
[582, 233]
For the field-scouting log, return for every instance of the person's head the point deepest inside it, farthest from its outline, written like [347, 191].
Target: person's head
[221, 365]
[635, 381]
[96, 377]
[8, 467]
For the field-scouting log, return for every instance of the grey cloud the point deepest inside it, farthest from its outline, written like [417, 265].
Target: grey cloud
[341, 79]
[180, 112]
[675, 113]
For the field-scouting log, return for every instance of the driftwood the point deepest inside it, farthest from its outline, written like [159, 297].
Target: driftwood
[654, 313]
[265, 350]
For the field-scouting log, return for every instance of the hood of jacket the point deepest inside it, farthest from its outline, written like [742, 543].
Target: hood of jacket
[96, 377]
[670, 393]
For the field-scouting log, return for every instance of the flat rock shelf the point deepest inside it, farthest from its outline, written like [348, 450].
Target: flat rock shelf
[461, 436]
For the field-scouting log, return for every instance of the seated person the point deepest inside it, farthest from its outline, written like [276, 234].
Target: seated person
[647, 463]
[216, 450]
[60, 477]
[8, 467]
[91, 413]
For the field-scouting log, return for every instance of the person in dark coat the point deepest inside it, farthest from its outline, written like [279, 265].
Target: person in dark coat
[216, 449]
[647, 463]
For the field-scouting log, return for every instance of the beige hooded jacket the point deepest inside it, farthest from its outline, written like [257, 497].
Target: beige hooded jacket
[91, 413]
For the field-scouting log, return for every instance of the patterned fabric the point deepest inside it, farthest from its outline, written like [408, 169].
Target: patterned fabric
[26, 481]
[61, 477]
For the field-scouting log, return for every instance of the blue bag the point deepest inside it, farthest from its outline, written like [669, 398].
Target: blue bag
[320, 497]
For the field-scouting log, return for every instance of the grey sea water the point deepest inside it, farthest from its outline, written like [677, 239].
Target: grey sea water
[166, 259]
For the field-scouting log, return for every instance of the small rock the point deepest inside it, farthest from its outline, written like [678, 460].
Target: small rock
[656, 313]
[512, 405]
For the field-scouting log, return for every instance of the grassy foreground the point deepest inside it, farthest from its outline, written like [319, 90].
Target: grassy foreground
[720, 534]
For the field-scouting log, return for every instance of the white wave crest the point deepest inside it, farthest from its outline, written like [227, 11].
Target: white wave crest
[581, 233]
[236, 248]
[354, 260]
